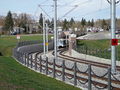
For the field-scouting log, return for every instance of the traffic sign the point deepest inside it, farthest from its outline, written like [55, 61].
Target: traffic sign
[46, 44]
[18, 37]
[114, 42]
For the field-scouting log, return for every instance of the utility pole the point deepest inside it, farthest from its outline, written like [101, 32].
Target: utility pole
[113, 36]
[55, 28]
[46, 38]
[113, 28]
[44, 46]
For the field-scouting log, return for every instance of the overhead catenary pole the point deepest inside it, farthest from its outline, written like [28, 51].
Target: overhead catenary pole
[113, 28]
[46, 38]
[55, 28]
[44, 46]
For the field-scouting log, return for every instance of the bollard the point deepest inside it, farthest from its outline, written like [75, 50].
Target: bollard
[40, 60]
[63, 70]
[89, 78]
[75, 74]
[54, 68]
[46, 65]
[109, 78]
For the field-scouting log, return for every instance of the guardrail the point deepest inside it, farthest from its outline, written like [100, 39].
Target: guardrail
[67, 71]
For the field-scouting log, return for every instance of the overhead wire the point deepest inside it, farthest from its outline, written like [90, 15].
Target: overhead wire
[75, 6]
[68, 3]
[96, 11]
[93, 12]
[44, 1]
[44, 11]
[35, 13]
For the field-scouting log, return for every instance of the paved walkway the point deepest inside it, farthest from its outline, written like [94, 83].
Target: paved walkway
[89, 57]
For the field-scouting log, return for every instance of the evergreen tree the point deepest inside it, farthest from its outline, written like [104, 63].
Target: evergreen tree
[92, 23]
[72, 22]
[48, 22]
[24, 22]
[65, 24]
[83, 22]
[41, 21]
[52, 24]
[89, 23]
[103, 24]
[8, 26]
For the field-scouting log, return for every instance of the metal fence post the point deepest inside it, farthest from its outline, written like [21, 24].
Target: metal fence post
[25, 58]
[46, 65]
[54, 68]
[21, 57]
[75, 74]
[31, 57]
[40, 60]
[35, 62]
[96, 52]
[104, 54]
[89, 78]
[86, 49]
[109, 78]
[28, 60]
[63, 70]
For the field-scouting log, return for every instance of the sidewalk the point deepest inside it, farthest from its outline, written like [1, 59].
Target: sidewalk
[90, 58]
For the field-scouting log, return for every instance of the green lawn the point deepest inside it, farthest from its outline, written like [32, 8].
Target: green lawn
[14, 75]
[100, 44]
[99, 48]
[9, 42]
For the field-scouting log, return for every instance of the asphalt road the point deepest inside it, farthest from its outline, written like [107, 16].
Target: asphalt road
[96, 36]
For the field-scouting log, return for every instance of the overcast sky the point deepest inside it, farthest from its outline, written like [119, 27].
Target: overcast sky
[96, 9]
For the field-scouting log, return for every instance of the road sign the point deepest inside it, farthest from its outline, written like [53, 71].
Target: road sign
[18, 37]
[46, 44]
[114, 42]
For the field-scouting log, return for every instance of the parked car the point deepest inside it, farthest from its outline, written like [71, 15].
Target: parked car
[117, 32]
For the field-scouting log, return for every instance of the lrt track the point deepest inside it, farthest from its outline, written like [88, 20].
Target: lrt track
[93, 63]
[100, 84]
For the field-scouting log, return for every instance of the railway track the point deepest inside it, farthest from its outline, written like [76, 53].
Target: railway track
[96, 80]
[83, 79]
[97, 64]
[93, 63]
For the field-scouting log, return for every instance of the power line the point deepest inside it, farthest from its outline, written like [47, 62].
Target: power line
[44, 11]
[93, 12]
[66, 4]
[75, 6]
[44, 1]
